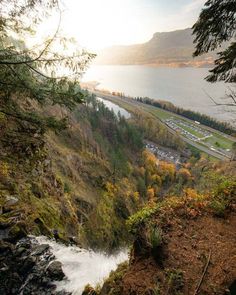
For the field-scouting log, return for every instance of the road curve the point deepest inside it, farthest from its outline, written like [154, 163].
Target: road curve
[116, 99]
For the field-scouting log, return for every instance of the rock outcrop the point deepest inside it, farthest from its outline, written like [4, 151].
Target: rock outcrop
[28, 267]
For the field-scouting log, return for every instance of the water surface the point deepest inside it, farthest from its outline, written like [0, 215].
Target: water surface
[117, 109]
[185, 87]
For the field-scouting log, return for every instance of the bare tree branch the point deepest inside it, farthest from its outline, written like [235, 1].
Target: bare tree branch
[232, 95]
[219, 104]
[41, 53]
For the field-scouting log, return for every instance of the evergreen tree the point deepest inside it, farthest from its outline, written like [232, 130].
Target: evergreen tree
[33, 72]
[217, 24]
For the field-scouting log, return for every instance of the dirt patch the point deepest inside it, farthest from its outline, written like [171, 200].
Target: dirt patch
[188, 244]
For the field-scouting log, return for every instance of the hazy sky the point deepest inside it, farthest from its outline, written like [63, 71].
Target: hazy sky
[101, 23]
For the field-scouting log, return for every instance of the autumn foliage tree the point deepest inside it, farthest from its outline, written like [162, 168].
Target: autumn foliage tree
[157, 174]
[184, 175]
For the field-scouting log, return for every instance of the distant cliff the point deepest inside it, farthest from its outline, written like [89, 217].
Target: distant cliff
[164, 49]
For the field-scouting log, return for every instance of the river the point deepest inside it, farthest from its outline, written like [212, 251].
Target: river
[185, 87]
[115, 108]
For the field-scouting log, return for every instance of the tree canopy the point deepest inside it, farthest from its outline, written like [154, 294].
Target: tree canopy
[216, 25]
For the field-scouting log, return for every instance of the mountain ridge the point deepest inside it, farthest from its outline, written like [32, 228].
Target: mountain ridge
[174, 48]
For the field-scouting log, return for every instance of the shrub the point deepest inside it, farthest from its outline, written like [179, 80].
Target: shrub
[156, 291]
[155, 237]
[67, 188]
[88, 290]
[4, 170]
[113, 284]
[218, 207]
[223, 196]
[226, 190]
[2, 118]
[175, 281]
[153, 291]
[139, 218]
[37, 189]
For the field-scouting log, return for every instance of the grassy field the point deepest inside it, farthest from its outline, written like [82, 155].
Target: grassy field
[161, 114]
[190, 130]
[219, 141]
[216, 140]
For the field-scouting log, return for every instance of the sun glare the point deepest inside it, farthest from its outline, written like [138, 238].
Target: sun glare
[99, 24]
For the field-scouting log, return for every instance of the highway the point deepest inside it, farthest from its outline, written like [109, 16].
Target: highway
[126, 100]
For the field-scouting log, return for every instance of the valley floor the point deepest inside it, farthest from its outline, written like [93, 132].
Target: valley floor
[207, 140]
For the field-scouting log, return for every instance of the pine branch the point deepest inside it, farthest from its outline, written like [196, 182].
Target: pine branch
[41, 53]
[216, 24]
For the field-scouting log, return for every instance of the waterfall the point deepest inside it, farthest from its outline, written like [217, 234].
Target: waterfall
[81, 266]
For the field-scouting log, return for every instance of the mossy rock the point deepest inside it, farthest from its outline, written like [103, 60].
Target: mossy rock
[4, 222]
[43, 229]
[16, 232]
[37, 190]
[113, 284]
[88, 290]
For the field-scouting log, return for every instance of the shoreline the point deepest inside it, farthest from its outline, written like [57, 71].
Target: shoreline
[175, 65]
[128, 102]
[92, 86]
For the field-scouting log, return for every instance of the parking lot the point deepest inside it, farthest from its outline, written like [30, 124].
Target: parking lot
[188, 130]
[164, 154]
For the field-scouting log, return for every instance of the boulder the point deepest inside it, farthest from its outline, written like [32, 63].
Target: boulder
[20, 251]
[55, 271]
[73, 240]
[63, 292]
[9, 204]
[4, 224]
[14, 282]
[10, 201]
[25, 243]
[28, 265]
[16, 232]
[5, 247]
[39, 250]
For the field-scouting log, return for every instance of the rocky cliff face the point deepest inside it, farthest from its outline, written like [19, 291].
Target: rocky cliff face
[28, 268]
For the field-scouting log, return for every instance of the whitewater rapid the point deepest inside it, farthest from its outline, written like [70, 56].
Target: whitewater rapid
[81, 266]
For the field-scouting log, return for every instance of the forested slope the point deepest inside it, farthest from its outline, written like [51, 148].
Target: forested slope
[83, 181]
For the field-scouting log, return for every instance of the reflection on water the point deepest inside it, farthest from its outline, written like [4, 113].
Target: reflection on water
[185, 87]
[115, 108]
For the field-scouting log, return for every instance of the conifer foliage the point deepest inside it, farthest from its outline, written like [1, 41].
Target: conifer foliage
[216, 25]
[48, 71]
